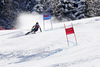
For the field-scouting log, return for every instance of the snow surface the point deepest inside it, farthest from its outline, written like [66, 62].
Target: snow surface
[50, 48]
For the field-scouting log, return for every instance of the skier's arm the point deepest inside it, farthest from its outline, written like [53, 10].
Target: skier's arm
[32, 28]
[40, 30]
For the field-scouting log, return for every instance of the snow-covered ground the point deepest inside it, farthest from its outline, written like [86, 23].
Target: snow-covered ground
[50, 48]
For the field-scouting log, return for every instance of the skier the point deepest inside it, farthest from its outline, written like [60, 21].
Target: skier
[34, 28]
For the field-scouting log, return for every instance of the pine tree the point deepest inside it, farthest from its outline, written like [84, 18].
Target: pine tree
[90, 8]
[59, 9]
[50, 5]
[38, 7]
[11, 8]
[80, 10]
[97, 8]
[69, 9]
[55, 6]
[1, 11]
[7, 14]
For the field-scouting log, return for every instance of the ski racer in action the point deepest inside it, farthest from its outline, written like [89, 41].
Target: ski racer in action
[34, 28]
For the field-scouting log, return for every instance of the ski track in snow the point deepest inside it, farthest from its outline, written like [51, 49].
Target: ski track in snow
[37, 54]
[81, 61]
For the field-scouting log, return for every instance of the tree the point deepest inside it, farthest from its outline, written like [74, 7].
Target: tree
[97, 8]
[38, 7]
[90, 8]
[11, 8]
[69, 9]
[80, 10]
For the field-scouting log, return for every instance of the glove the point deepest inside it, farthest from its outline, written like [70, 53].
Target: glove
[32, 28]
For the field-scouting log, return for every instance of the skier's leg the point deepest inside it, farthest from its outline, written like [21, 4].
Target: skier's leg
[35, 30]
[32, 31]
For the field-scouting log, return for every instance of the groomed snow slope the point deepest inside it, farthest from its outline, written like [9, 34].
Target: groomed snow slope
[50, 48]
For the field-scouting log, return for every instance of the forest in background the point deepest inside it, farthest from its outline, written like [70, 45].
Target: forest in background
[61, 9]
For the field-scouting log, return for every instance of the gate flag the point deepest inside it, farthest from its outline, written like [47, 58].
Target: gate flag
[47, 16]
[70, 31]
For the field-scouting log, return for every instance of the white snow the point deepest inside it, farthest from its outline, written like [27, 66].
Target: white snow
[49, 48]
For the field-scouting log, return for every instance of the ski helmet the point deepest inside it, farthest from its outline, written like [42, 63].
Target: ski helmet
[37, 23]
